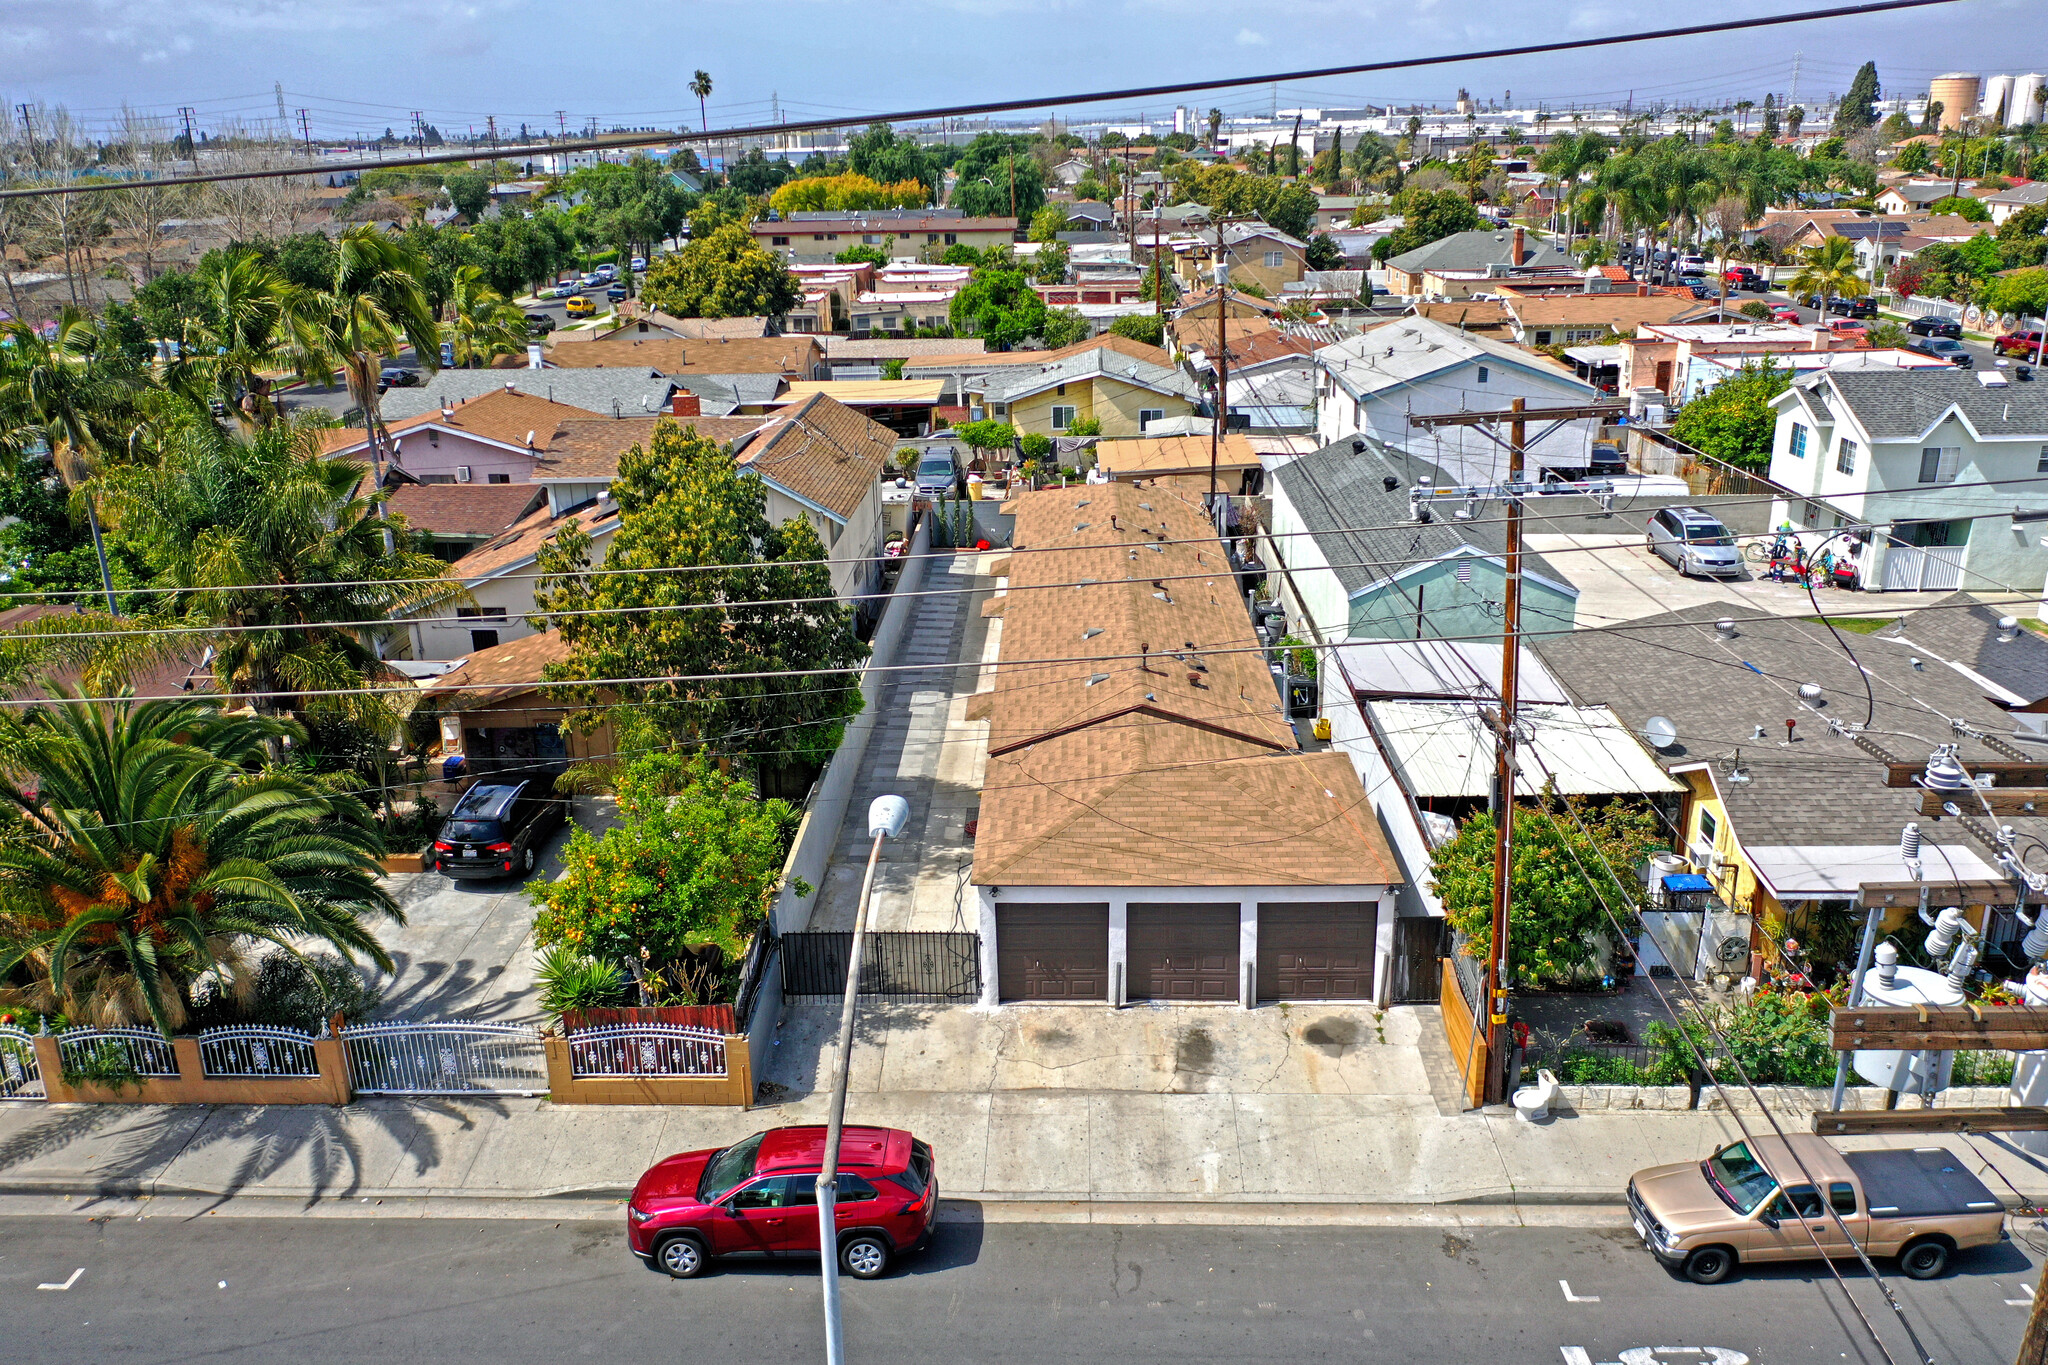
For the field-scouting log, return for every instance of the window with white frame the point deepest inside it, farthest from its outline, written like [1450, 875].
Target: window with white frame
[2041, 465]
[1845, 457]
[1063, 416]
[1275, 259]
[1483, 375]
[1147, 416]
[1797, 445]
[1938, 464]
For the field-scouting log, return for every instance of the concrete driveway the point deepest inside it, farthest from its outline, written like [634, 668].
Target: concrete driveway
[466, 950]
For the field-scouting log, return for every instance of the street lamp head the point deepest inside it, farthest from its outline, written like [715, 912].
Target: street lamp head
[887, 815]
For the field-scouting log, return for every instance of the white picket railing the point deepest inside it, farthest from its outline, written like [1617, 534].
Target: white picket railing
[647, 1050]
[257, 1052]
[149, 1052]
[446, 1059]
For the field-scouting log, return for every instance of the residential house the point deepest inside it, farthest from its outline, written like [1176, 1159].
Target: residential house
[1921, 456]
[820, 237]
[495, 713]
[1153, 830]
[1087, 215]
[1182, 462]
[969, 369]
[1918, 194]
[905, 406]
[1335, 210]
[1358, 565]
[603, 391]
[1369, 385]
[1799, 831]
[792, 357]
[1572, 319]
[1469, 251]
[865, 357]
[1121, 392]
[457, 518]
[1684, 360]
[498, 577]
[1254, 253]
[2005, 203]
[495, 437]
[584, 457]
[636, 322]
[1209, 303]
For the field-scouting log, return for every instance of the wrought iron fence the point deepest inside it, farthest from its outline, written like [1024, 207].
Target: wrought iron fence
[901, 967]
[149, 1052]
[446, 1059]
[21, 1076]
[257, 1052]
[647, 1050]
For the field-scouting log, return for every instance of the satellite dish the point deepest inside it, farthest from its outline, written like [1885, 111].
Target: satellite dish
[1661, 733]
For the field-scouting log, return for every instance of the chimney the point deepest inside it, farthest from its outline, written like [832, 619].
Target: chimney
[1518, 246]
[681, 404]
[1642, 291]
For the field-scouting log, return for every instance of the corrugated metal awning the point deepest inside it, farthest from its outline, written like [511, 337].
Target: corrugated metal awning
[1445, 749]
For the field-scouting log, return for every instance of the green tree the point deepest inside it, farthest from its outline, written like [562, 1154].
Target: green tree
[988, 169]
[988, 435]
[1770, 123]
[1570, 857]
[2023, 292]
[469, 191]
[860, 254]
[683, 501]
[724, 274]
[700, 86]
[481, 322]
[1063, 327]
[1829, 270]
[1324, 253]
[999, 307]
[1049, 263]
[1914, 156]
[880, 154]
[154, 851]
[1733, 421]
[1048, 223]
[673, 892]
[1428, 216]
[1961, 206]
[1149, 328]
[1566, 160]
[238, 336]
[1858, 109]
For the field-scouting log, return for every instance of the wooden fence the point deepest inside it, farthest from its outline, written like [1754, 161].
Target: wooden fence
[1469, 1053]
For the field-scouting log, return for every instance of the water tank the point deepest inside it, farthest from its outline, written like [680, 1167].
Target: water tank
[1957, 92]
[1996, 108]
[1909, 1073]
[2026, 106]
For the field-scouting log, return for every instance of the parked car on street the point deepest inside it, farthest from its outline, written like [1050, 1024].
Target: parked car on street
[1865, 307]
[1935, 327]
[616, 292]
[1692, 265]
[499, 828]
[539, 324]
[1785, 313]
[1943, 348]
[759, 1197]
[638, 264]
[1694, 542]
[1849, 327]
[607, 271]
[1704, 1218]
[2018, 343]
[1745, 277]
[579, 307]
[397, 377]
[1702, 291]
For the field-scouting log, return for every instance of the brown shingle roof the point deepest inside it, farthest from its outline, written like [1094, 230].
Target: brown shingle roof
[1177, 771]
[523, 539]
[1480, 315]
[1623, 312]
[823, 451]
[1147, 456]
[591, 449]
[464, 509]
[501, 671]
[997, 360]
[502, 415]
[792, 356]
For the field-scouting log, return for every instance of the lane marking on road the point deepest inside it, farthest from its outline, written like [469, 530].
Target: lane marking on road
[2026, 1289]
[1569, 1297]
[67, 1284]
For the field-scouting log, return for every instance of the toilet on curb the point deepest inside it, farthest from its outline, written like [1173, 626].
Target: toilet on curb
[1532, 1102]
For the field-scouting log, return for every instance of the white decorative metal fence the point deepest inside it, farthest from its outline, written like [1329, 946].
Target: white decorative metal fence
[647, 1050]
[1920, 306]
[256, 1052]
[149, 1052]
[21, 1077]
[446, 1059]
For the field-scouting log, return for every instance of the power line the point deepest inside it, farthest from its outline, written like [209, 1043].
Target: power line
[765, 130]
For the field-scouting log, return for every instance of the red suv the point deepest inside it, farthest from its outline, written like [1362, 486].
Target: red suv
[2018, 343]
[759, 1197]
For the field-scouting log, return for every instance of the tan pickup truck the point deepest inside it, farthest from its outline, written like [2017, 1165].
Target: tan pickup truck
[1704, 1217]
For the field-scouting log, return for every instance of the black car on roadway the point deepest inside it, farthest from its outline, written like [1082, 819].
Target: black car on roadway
[1943, 348]
[1936, 327]
[498, 828]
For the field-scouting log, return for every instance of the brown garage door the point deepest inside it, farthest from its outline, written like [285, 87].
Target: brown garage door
[1183, 952]
[1321, 951]
[1052, 952]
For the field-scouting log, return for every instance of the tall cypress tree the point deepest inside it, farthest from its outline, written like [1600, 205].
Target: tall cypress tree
[1858, 109]
[1771, 117]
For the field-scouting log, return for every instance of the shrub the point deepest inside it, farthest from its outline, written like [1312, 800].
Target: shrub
[108, 1064]
[1982, 1068]
[570, 981]
[286, 991]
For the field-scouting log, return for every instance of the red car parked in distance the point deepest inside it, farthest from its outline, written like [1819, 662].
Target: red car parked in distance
[2023, 344]
[759, 1197]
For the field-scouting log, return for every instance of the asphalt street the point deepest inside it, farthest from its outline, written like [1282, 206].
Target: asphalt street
[361, 1291]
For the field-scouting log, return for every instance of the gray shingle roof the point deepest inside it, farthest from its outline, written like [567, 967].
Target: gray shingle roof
[1475, 250]
[1898, 405]
[1337, 489]
[1821, 789]
[1963, 630]
[597, 390]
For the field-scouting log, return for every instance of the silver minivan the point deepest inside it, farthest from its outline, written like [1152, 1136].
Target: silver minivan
[1694, 542]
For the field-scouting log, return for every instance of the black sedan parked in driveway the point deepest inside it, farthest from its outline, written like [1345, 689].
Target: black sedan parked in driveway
[1936, 327]
[499, 828]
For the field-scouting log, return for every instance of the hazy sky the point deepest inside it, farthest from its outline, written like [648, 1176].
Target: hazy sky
[363, 64]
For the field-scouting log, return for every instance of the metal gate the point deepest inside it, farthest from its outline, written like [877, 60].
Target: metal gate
[21, 1076]
[902, 967]
[446, 1059]
[1418, 943]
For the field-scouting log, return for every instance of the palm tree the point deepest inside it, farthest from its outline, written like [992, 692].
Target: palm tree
[482, 323]
[238, 336]
[1828, 270]
[372, 308]
[65, 397]
[700, 86]
[1568, 157]
[153, 853]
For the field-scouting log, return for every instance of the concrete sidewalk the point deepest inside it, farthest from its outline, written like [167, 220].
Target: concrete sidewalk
[1067, 1154]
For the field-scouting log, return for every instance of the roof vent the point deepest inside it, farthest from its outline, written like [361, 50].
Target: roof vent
[2008, 628]
[1725, 628]
[1809, 692]
[1991, 379]
[1091, 632]
[1094, 678]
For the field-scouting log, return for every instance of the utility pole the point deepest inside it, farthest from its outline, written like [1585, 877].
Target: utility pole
[562, 122]
[28, 132]
[306, 131]
[491, 122]
[191, 143]
[1222, 270]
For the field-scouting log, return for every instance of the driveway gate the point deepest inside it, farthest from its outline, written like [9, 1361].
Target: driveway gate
[21, 1076]
[446, 1059]
[902, 967]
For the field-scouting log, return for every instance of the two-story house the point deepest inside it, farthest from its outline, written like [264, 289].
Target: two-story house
[1121, 392]
[1919, 458]
[916, 233]
[1254, 252]
[497, 437]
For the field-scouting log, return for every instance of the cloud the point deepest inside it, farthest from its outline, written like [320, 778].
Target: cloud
[1247, 38]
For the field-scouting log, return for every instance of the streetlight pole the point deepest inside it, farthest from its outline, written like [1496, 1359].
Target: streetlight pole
[886, 817]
